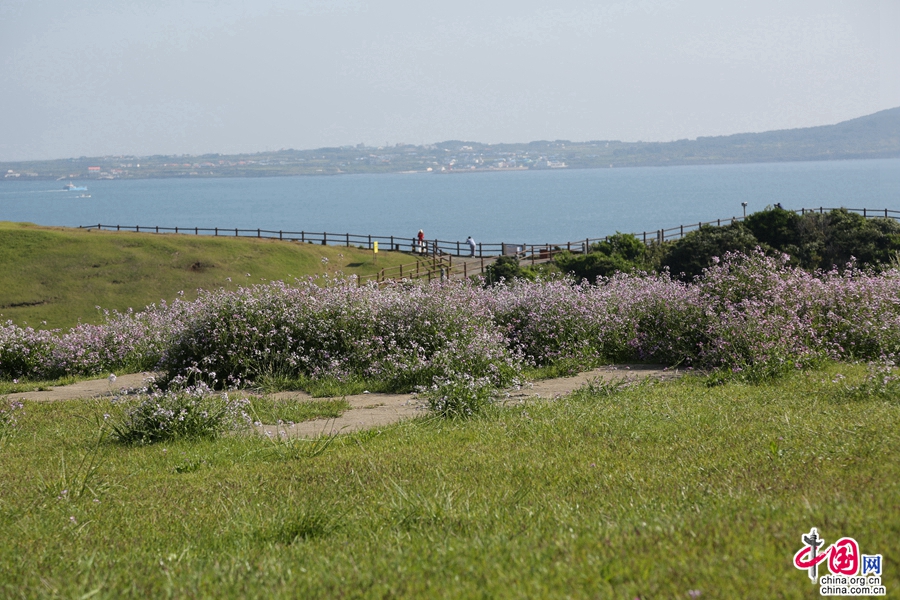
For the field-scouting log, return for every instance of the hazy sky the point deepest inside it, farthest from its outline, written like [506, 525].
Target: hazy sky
[99, 77]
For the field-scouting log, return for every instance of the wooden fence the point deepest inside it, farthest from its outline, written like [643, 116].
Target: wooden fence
[439, 250]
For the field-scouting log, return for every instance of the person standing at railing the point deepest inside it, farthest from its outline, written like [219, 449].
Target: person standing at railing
[421, 241]
[471, 244]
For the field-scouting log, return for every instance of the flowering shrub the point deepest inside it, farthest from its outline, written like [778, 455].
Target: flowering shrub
[404, 335]
[748, 315]
[458, 395]
[180, 412]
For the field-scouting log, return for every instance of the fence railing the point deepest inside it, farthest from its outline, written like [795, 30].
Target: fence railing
[446, 248]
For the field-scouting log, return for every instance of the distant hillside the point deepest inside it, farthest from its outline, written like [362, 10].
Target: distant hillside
[872, 136]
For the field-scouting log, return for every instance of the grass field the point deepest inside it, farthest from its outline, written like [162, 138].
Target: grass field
[60, 275]
[672, 490]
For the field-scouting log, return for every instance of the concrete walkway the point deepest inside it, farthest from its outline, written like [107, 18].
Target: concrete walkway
[367, 411]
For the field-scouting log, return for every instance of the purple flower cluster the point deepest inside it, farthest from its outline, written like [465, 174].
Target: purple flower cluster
[182, 411]
[754, 315]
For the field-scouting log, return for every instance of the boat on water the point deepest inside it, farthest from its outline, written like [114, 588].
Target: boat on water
[71, 187]
[85, 196]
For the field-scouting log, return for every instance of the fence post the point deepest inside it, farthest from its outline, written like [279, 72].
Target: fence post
[176, 229]
[457, 248]
[258, 233]
[302, 236]
[325, 238]
[348, 240]
[281, 238]
[682, 231]
[821, 210]
[370, 241]
[235, 232]
[157, 227]
[864, 213]
[481, 254]
[217, 231]
[137, 228]
[117, 228]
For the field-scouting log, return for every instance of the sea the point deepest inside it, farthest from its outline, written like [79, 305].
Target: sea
[533, 207]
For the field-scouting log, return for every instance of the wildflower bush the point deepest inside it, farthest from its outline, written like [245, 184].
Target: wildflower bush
[458, 395]
[404, 336]
[748, 315]
[181, 411]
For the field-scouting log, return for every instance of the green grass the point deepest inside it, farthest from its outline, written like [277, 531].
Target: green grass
[269, 411]
[27, 385]
[648, 492]
[60, 275]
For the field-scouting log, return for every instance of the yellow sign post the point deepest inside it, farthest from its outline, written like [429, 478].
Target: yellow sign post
[375, 251]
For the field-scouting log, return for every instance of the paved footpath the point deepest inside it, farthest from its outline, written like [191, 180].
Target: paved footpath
[367, 411]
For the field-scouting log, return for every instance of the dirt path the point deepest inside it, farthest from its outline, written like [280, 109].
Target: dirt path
[370, 411]
[367, 411]
[94, 388]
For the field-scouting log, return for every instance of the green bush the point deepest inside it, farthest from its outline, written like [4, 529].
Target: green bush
[621, 252]
[458, 396]
[686, 258]
[505, 269]
[192, 412]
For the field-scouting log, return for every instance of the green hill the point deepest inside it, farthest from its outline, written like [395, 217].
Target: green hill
[61, 275]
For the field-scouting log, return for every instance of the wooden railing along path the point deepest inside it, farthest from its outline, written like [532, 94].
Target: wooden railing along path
[437, 255]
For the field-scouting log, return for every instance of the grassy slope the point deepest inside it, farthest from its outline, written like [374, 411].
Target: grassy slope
[61, 275]
[648, 493]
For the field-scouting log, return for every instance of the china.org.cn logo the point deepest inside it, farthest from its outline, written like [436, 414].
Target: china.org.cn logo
[852, 573]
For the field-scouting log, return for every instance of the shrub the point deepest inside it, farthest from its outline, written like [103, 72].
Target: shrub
[686, 258]
[458, 396]
[180, 412]
[505, 269]
[619, 253]
[405, 336]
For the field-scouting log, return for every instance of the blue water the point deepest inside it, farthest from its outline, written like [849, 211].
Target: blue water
[513, 207]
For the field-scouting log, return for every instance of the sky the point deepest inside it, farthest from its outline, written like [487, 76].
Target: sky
[142, 77]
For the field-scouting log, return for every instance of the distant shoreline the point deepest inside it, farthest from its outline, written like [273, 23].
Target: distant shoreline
[252, 174]
[870, 137]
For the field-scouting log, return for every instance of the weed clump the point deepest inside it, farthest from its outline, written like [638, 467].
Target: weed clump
[181, 411]
[458, 396]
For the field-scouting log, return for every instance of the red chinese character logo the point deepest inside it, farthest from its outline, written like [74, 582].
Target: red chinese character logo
[844, 557]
